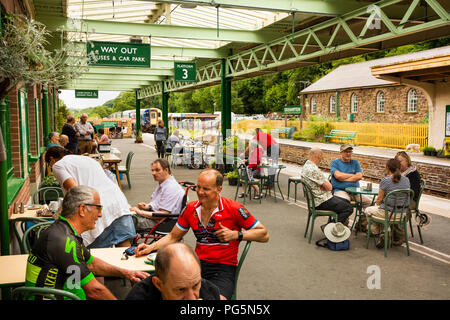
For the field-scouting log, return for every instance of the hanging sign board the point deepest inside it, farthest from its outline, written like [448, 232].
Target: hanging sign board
[292, 110]
[119, 54]
[89, 94]
[185, 71]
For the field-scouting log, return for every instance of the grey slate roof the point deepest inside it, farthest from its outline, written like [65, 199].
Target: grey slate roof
[357, 75]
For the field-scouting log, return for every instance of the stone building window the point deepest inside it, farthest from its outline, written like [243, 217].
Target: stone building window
[354, 103]
[332, 104]
[313, 105]
[412, 100]
[380, 101]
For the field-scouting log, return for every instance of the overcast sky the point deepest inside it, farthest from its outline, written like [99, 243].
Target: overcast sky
[68, 96]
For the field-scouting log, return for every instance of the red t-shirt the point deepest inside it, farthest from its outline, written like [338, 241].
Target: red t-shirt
[264, 139]
[230, 214]
[255, 159]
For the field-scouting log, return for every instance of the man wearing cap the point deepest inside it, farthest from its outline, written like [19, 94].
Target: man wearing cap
[346, 172]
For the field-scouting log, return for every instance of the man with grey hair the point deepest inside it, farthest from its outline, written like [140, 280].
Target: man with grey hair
[321, 188]
[177, 277]
[53, 140]
[69, 130]
[59, 259]
[86, 130]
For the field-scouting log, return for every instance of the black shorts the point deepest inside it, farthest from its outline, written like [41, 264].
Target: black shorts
[222, 275]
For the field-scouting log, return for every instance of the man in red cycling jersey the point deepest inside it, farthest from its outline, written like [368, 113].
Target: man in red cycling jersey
[217, 223]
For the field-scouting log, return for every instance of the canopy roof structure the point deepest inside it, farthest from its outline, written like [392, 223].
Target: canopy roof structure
[249, 38]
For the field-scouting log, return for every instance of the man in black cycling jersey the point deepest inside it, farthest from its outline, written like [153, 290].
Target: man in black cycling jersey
[59, 260]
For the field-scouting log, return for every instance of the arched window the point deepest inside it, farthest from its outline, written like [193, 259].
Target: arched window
[412, 100]
[332, 104]
[313, 105]
[380, 101]
[354, 103]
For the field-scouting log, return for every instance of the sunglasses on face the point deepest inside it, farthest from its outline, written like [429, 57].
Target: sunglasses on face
[99, 206]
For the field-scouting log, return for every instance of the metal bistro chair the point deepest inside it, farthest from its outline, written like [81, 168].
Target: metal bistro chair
[247, 183]
[24, 293]
[295, 181]
[238, 268]
[399, 215]
[312, 211]
[416, 211]
[126, 169]
[32, 234]
[47, 193]
[21, 223]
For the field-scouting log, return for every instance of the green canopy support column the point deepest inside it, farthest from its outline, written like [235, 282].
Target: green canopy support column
[138, 117]
[165, 106]
[226, 106]
[45, 119]
[225, 101]
[3, 183]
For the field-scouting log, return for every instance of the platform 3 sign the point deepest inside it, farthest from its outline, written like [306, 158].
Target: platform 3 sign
[185, 71]
[119, 54]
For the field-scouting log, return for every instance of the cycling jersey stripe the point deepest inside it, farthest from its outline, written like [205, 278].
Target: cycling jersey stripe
[253, 225]
[181, 227]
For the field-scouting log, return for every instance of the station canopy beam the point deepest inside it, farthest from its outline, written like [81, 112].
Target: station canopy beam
[252, 37]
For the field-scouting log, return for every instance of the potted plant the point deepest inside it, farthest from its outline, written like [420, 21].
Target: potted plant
[433, 152]
[139, 139]
[49, 181]
[25, 59]
[440, 153]
[233, 177]
[427, 150]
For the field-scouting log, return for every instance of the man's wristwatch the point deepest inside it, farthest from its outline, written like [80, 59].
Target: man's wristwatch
[240, 236]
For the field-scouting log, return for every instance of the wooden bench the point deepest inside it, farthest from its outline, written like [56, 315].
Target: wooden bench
[341, 134]
[282, 130]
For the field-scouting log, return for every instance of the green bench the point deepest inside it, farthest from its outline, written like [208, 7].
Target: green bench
[341, 134]
[283, 130]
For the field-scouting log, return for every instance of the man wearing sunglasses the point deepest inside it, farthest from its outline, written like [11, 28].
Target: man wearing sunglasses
[59, 259]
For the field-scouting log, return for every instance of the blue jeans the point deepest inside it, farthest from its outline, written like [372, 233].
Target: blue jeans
[120, 230]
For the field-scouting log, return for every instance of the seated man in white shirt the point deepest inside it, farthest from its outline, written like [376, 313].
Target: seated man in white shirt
[167, 197]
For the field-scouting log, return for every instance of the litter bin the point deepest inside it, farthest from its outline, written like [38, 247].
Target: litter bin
[352, 117]
[291, 132]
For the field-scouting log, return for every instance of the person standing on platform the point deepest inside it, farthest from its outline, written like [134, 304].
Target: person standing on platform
[86, 130]
[160, 135]
[69, 130]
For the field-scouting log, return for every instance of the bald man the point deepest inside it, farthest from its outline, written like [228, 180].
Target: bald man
[321, 188]
[177, 277]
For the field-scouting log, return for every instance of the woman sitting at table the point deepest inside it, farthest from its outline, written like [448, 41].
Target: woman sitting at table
[254, 160]
[393, 181]
[103, 137]
[409, 171]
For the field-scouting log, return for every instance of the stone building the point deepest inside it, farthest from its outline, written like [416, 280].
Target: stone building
[351, 92]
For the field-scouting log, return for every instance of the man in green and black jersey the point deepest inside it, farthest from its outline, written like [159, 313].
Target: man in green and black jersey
[59, 260]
